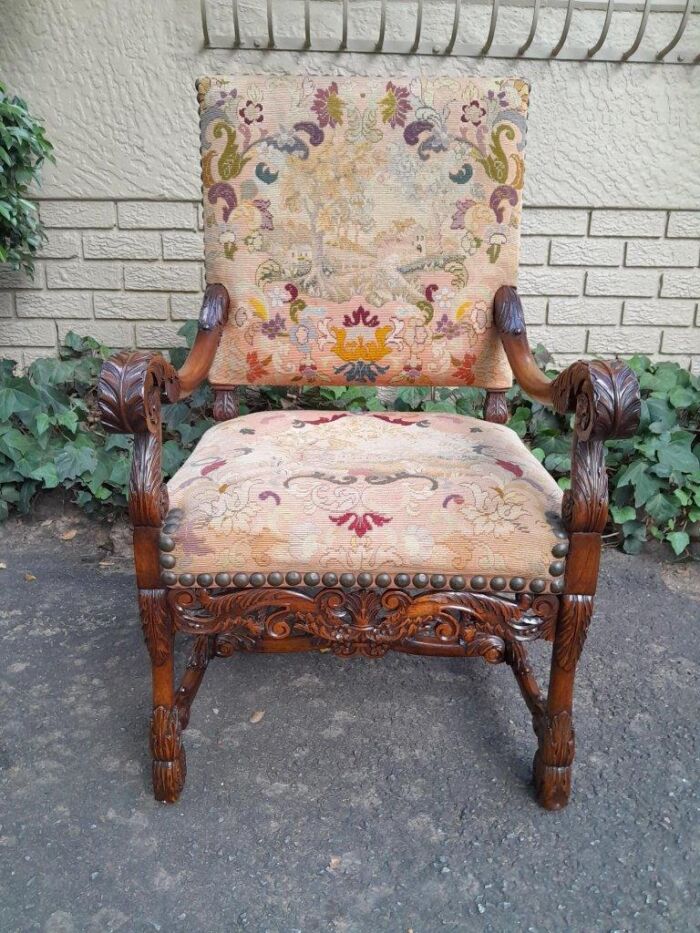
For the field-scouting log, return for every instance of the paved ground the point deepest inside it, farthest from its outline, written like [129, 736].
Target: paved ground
[373, 795]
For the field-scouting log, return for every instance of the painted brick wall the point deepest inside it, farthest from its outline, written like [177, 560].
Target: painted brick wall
[594, 282]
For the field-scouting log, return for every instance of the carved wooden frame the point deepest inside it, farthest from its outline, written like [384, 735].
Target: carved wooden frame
[357, 617]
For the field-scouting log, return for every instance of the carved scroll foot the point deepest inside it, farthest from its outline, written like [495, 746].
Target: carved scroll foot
[169, 763]
[553, 760]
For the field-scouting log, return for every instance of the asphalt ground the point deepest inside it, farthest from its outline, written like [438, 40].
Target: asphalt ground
[388, 795]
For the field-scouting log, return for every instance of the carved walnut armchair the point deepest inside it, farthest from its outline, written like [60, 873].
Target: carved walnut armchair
[359, 231]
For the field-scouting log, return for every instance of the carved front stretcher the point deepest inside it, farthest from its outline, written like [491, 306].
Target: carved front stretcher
[485, 554]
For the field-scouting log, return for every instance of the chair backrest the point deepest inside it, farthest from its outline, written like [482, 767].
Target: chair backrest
[362, 226]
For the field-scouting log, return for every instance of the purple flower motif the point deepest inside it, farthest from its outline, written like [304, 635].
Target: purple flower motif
[328, 105]
[226, 97]
[448, 328]
[500, 99]
[274, 327]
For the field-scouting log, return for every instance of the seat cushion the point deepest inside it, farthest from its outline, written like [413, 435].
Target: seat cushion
[318, 492]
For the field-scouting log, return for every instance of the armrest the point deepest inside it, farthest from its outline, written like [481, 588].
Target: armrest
[133, 383]
[130, 390]
[604, 394]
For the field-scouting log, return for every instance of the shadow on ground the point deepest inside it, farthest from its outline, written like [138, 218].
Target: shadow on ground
[372, 796]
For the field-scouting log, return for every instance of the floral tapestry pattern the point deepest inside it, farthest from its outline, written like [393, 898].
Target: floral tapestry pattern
[362, 226]
[335, 491]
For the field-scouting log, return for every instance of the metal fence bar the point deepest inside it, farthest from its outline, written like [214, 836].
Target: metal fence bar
[344, 39]
[236, 25]
[270, 26]
[419, 24]
[455, 27]
[640, 32]
[565, 31]
[382, 26]
[604, 31]
[677, 38]
[282, 34]
[492, 27]
[205, 27]
[307, 24]
[533, 29]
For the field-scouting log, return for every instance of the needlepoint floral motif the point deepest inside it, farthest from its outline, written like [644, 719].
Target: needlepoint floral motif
[362, 226]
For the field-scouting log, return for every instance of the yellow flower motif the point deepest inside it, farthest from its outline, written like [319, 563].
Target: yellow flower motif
[462, 309]
[259, 308]
[351, 351]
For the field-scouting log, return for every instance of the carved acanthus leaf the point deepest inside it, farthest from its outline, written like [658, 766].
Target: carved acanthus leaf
[572, 628]
[226, 404]
[130, 389]
[156, 626]
[603, 393]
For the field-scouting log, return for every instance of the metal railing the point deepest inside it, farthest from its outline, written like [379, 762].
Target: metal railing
[564, 48]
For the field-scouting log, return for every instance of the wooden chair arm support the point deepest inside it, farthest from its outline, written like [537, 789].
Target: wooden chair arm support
[510, 322]
[604, 394]
[212, 317]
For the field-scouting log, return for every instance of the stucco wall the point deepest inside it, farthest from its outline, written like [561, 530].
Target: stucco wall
[612, 218]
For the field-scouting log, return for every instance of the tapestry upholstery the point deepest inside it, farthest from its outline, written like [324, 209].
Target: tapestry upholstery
[337, 491]
[362, 225]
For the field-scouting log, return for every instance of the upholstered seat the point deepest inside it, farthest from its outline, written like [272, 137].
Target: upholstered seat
[306, 492]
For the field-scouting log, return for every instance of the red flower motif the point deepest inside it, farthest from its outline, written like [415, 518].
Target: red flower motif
[397, 420]
[511, 467]
[473, 112]
[256, 367]
[360, 524]
[325, 420]
[251, 113]
[361, 316]
[210, 467]
[465, 368]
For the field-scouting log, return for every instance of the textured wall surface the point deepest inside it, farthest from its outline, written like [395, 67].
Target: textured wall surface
[612, 219]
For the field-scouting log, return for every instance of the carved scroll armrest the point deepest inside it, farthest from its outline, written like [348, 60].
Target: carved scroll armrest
[603, 394]
[130, 390]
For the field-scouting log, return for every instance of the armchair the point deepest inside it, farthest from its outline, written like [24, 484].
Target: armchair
[363, 533]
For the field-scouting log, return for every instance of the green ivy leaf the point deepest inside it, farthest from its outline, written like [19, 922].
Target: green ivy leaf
[661, 507]
[679, 541]
[74, 460]
[681, 397]
[622, 514]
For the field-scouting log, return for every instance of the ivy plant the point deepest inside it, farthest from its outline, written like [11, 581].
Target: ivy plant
[50, 436]
[23, 150]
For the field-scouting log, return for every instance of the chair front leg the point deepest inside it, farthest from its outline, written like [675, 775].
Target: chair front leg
[554, 727]
[167, 750]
